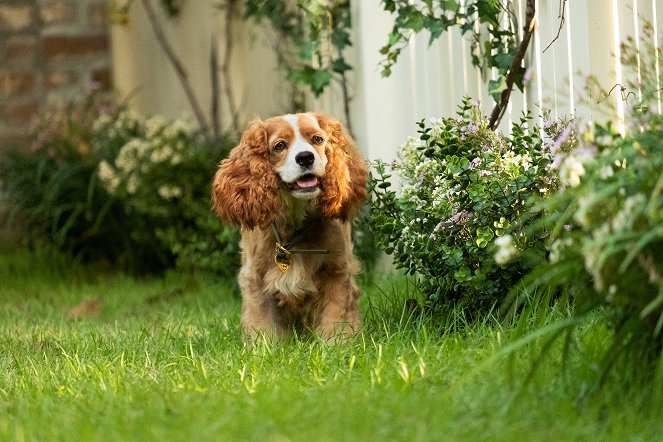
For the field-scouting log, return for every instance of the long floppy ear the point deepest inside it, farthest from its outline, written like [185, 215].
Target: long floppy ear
[344, 183]
[245, 187]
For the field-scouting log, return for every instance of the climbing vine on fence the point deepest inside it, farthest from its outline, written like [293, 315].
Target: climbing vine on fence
[312, 38]
[491, 24]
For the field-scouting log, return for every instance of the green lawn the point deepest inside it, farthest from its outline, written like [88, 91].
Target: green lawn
[87, 354]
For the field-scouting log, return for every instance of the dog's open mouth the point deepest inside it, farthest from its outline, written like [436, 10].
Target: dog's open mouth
[305, 183]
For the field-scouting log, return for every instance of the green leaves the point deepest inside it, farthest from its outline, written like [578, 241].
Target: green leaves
[491, 27]
[315, 33]
[496, 87]
[316, 79]
[484, 236]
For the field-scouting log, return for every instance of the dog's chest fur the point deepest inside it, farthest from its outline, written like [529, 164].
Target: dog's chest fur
[293, 287]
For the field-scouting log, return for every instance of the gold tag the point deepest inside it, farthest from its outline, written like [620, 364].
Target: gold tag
[282, 258]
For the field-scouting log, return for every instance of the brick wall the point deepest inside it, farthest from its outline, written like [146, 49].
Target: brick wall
[51, 51]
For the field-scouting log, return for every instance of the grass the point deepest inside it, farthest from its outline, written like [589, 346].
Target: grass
[87, 354]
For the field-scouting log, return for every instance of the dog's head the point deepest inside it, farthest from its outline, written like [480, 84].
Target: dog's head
[307, 157]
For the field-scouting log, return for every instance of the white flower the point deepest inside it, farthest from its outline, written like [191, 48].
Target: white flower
[606, 172]
[101, 122]
[505, 249]
[154, 125]
[570, 171]
[169, 192]
[108, 177]
[184, 126]
[175, 159]
[132, 184]
[510, 160]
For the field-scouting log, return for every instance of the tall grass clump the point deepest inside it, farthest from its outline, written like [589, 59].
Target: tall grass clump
[606, 238]
[606, 227]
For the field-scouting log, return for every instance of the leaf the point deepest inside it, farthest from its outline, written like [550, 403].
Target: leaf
[450, 5]
[496, 87]
[436, 28]
[339, 65]
[394, 38]
[306, 50]
[340, 38]
[414, 21]
[504, 60]
[488, 11]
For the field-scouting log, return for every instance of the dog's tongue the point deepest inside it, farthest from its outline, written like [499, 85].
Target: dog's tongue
[307, 181]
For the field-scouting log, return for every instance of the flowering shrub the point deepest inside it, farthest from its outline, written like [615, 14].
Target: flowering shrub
[105, 185]
[162, 177]
[463, 189]
[53, 188]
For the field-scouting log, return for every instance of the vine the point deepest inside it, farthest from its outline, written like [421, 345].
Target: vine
[492, 26]
[312, 38]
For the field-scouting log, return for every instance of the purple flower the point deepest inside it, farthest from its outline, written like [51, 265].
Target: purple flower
[527, 76]
[557, 161]
[457, 218]
[475, 163]
[588, 151]
[563, 138]
[471, 128]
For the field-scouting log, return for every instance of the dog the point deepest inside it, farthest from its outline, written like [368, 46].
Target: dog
[293, 185]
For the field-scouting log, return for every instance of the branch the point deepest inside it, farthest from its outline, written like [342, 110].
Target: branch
[516, 66]
[562, 20]
[177, 64]
[346, 96]
[225, 67]
[214, 78]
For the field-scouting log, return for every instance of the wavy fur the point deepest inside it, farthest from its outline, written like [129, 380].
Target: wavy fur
[318, 292]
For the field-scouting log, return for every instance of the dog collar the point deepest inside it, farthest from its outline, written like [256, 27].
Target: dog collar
[283, 256]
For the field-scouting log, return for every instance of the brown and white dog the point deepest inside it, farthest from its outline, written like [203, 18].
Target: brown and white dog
[293, 185]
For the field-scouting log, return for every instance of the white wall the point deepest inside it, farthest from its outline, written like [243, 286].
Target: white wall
[143, 73]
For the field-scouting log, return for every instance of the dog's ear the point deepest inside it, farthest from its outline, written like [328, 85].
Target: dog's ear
[344, 183]
[245, 187]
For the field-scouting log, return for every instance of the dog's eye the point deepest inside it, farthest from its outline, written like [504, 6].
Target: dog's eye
[317, 139]
[281, 145]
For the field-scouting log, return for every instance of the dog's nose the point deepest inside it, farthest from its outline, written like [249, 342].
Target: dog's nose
[304, 159]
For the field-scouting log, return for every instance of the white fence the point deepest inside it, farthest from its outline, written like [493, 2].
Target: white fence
[431, 81]
[426, 82]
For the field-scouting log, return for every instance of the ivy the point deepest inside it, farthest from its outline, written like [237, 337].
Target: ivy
[313, 37]
[491, 24]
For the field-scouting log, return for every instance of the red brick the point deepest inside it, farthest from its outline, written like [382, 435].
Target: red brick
[103, 78]
[72, 46]
[15, 18]
[22, 113]
[55, 79]
[12, 83]
[20, 49]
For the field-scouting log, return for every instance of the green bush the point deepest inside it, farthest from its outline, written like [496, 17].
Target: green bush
[462, 189]
[102, 184]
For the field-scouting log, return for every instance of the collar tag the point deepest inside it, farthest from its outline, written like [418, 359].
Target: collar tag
[283, 258]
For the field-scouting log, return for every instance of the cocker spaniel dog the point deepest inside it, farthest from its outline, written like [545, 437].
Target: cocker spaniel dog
[293, 185]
